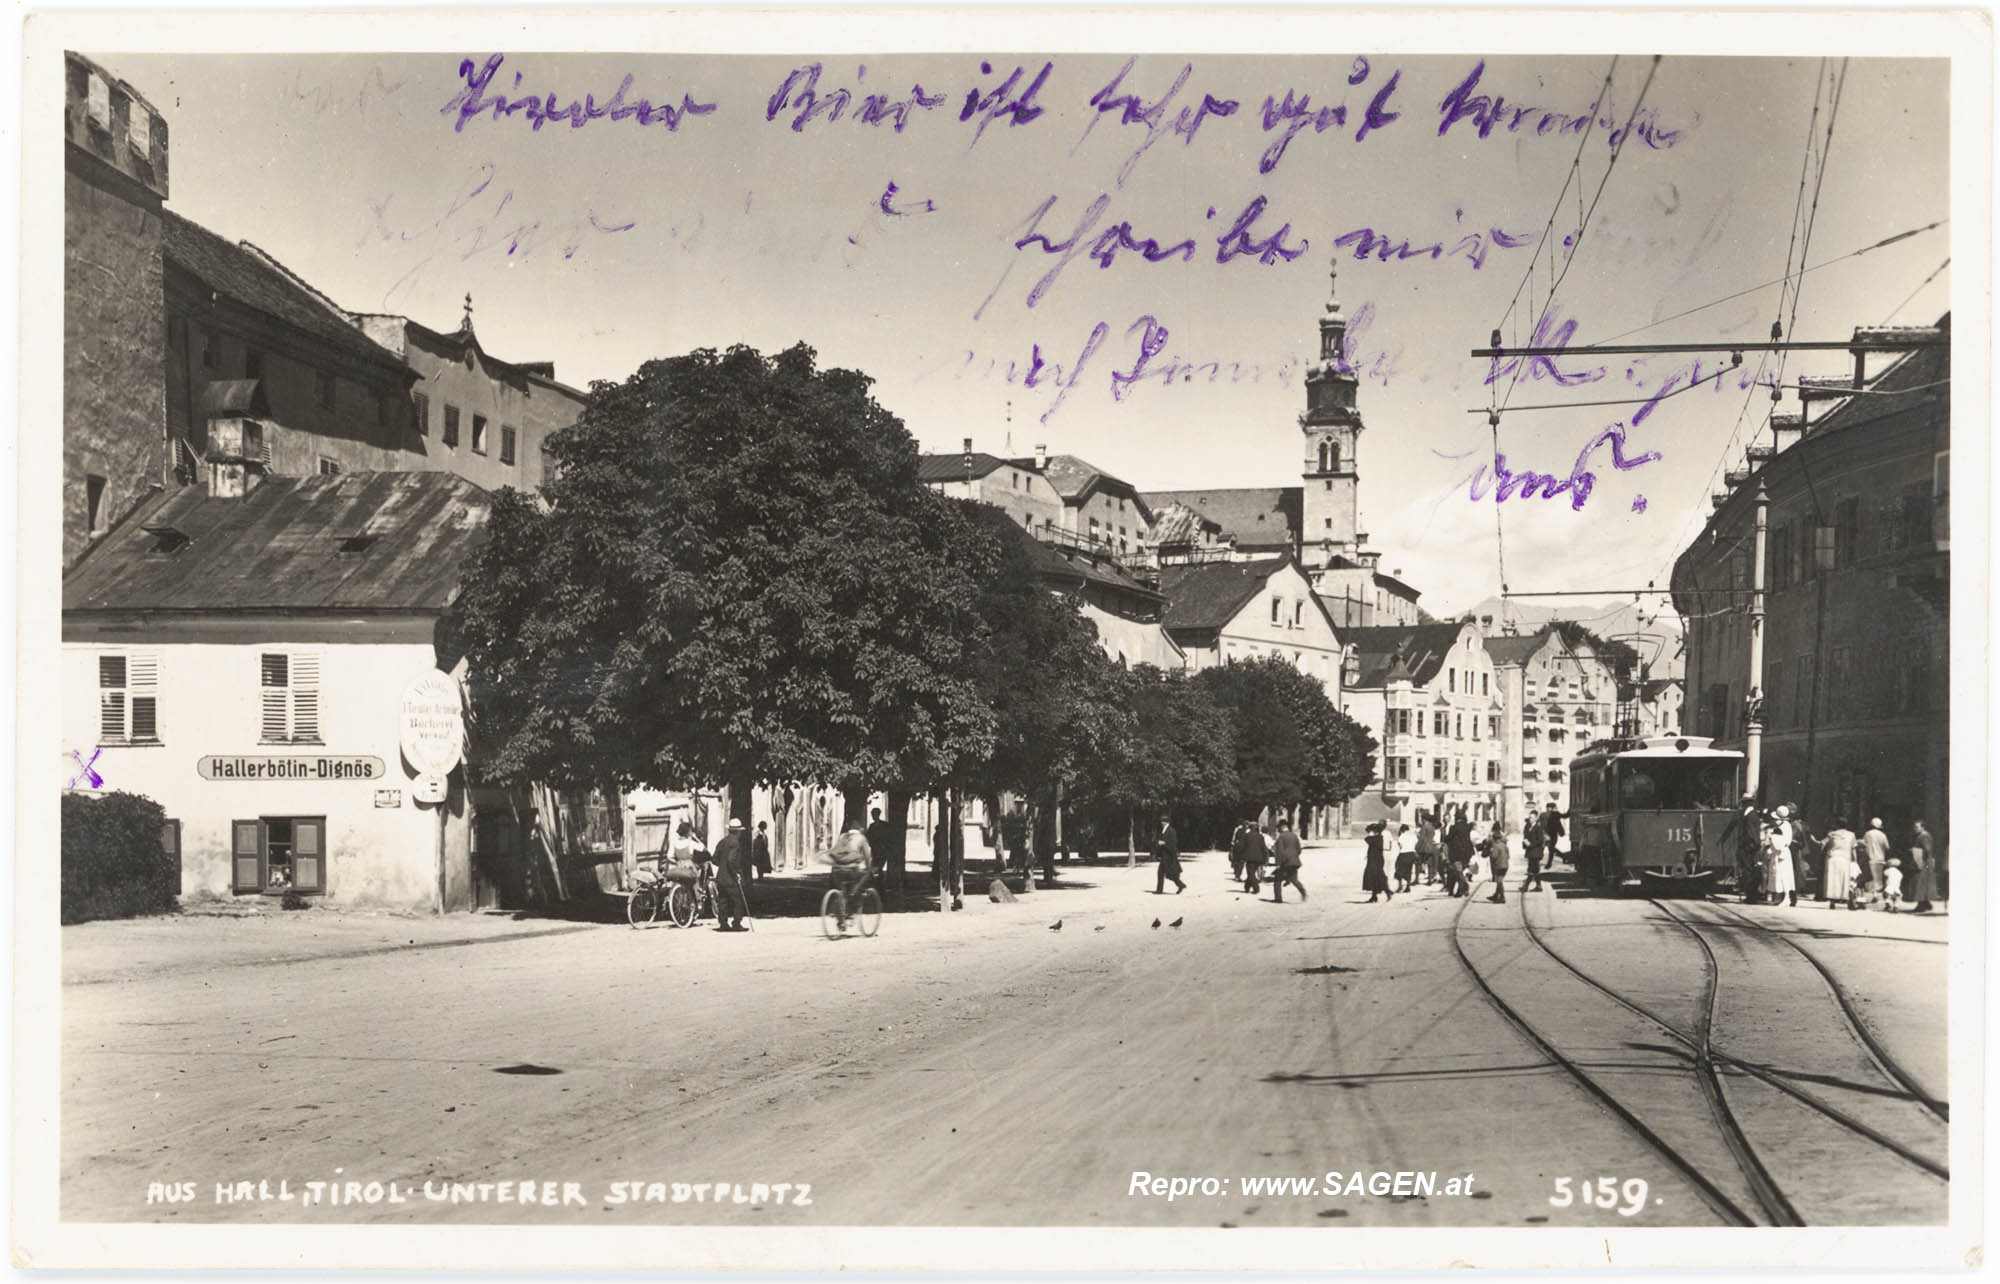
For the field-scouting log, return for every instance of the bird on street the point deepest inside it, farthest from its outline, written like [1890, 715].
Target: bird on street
[1177, 922]
[1156, 922]
[1056, 926]
[1098, 928]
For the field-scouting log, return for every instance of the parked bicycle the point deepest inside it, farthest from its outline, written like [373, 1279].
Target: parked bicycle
[654, 891]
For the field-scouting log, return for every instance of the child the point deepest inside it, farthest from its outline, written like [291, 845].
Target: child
[1892, 884]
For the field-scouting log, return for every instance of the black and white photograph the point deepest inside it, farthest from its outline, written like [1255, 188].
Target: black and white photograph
[792, 639]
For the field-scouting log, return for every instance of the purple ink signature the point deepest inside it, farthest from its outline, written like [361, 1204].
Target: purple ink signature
[1504, 483]
[1490, 112]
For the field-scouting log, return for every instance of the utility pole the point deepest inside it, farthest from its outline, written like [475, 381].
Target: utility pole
[1753, 703]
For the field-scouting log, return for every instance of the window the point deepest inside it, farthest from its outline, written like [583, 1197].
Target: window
[1399, 768]
[1780, 555]
[211, 351]
[507, 445]
[1277, 605]
[323, 389]
[1440, 725]
[1400, 721]
[1438, 769]
[1298, 614]
[1451, 680]
[1475, 726]
[93, 502]
[1846, 533]
[479, 434]
[1493, 769]
[1458, 726]
[1912, 675]
[329, 467]
[289, 684]
[450, 424]
[128, 699]
[253, 364]
[1493, 726]
[279, 854]
[1457, 767]
[1484, 689]
[420, 410]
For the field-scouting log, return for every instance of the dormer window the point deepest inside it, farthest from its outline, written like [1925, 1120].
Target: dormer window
[359, 542]
[167, 539]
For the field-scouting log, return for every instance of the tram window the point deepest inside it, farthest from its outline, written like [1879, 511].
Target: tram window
[1636, 788]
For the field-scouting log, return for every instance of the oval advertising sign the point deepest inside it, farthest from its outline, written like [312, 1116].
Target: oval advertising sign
[433, 726]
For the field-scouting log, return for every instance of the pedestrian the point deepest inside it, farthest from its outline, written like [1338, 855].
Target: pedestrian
[1458, 857]
[1837, 870]
[1784, 888]
[730, 857]
[1406, 858]
[1286, 855]
[1507, 848]
[1552, 831]
[1239, 849]
[1805, 846]
[1167, 852]
[881, 836]
[1531, 847]
[1746, 831]
[1923, 884]
[1892, 884]
[1256, 853]
[1873, 853]
[760, 849]
[1427, 848]
[1374, 880]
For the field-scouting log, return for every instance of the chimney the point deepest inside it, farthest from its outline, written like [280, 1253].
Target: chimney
[237, 457]
[1041, 456]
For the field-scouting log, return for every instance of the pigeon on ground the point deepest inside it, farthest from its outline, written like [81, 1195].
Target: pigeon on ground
[1098, 928]
[1056, 926]
[1177, 922]
[1156, 922]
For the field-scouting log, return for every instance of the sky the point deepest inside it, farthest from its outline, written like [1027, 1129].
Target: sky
[969, 294]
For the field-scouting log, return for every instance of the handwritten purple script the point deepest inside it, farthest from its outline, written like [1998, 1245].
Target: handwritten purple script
[86, 770]
[473, 101]
[1504, 483]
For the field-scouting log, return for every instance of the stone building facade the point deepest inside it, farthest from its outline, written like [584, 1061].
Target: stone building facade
[1429, 694]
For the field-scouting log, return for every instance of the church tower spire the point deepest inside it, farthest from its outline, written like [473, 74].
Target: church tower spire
[1331, 425]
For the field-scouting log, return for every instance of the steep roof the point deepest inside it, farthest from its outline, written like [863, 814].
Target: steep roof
[1255, 516]
[280, 547]
[1510, 648]
[1075, 479]
[1421, 647]
[1177, 524]
[1065, 565]
[950, 468]
[257, 281]
[1204, 597]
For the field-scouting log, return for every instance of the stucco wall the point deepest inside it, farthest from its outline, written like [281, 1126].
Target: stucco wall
[209, 703]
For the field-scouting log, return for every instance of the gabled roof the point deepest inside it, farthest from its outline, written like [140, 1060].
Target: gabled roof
[257, 281]
[1177, 524]
[1077, 479]
[1508, 648]
[1205, 597]
[932, 469]
[1255, 516]
[1065, 566]
[1421, 647]
[280, 547]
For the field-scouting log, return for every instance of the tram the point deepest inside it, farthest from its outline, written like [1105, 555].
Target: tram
[1655, 811]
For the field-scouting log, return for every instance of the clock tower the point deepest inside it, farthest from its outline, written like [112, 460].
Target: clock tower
[1331, 426]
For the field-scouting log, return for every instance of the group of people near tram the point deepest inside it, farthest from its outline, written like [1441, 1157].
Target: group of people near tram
[1777, 852]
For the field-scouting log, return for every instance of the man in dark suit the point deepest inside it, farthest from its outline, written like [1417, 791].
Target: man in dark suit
[730, 857]
[1167, 851]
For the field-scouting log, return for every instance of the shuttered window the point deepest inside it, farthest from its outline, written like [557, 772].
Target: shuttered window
[278, 854]
[289, 693]
[128, 698]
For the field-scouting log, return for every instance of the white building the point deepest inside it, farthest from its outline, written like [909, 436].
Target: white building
[1430, 696]
[1219, 612]
[242, 661]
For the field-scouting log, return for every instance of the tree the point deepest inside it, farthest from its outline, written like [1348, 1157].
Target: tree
[736, 578]
[1180, 750]
[1294, 747]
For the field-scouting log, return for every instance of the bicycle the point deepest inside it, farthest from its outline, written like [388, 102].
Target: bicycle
[701, 897]
[867, 917]
[652, 892]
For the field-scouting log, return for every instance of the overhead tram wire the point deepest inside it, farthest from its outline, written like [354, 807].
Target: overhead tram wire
[1914, 293]
[1569, 260]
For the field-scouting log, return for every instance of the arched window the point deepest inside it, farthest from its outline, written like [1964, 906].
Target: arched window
[1322, 457]
[1332, 463]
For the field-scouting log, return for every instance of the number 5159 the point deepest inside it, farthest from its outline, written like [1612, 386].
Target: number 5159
[1627, 1197]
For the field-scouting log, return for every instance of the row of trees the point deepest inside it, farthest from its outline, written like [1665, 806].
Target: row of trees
[733, 576]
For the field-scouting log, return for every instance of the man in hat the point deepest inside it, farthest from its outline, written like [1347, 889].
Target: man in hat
[1746, 829]
[1873, 852]
[733, 905]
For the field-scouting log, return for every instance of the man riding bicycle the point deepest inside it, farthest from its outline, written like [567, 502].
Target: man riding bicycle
[852, 865]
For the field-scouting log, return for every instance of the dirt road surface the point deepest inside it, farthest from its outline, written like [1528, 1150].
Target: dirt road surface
[968, 1068]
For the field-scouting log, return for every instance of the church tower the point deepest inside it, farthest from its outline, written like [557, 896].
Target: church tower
[1331, 426]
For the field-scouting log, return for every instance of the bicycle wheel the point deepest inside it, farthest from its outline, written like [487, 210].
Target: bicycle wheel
[680, 905]
[642, 907]
[869, 918]
[832, 913]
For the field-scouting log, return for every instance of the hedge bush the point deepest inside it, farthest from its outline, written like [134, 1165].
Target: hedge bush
[114, 864]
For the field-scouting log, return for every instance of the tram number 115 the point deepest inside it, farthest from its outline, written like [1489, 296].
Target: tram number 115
[1679, 835]
[1606, 1192]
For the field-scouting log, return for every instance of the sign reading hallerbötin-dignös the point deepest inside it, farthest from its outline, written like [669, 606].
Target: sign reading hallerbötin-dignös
[433, 726]
[236, 766]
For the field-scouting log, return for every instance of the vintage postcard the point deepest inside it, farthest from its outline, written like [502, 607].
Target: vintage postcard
[738, 638]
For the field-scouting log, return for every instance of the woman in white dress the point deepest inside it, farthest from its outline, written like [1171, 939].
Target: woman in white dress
[1778, 853]
[1838, 848]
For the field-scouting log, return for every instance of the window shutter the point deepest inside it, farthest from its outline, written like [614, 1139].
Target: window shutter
[248, 855]
[276, 681]
[309, 854]
[305, 699]
[143, 686]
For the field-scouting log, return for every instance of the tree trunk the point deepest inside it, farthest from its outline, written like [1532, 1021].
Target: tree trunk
[854, 806]
[1131, 838]
[740, 790]
[895, 860]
